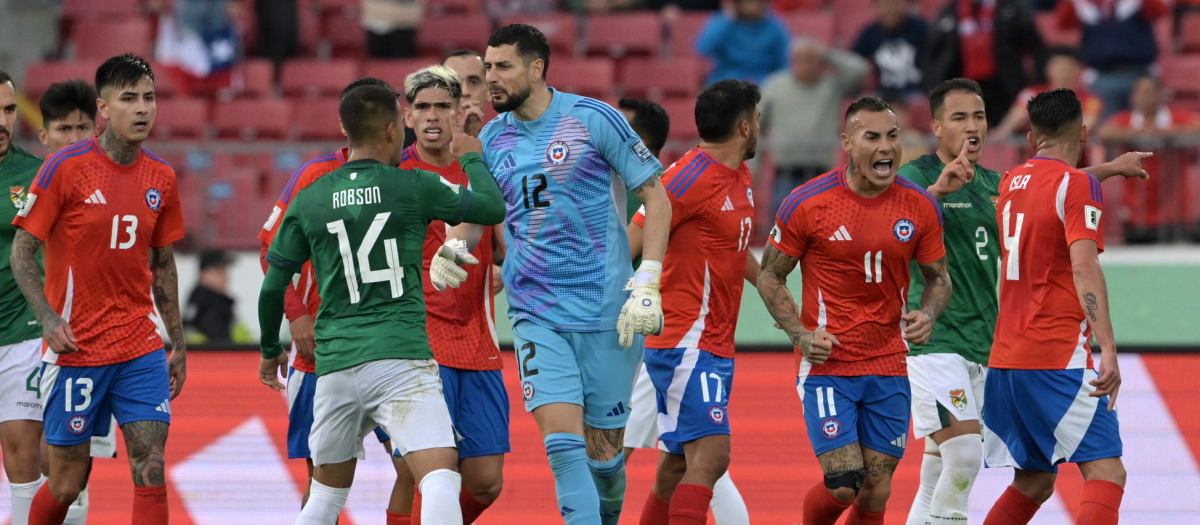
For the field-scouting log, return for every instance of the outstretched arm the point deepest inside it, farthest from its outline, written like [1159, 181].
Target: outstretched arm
[166, 297]
[23, 261]
[1128, 165]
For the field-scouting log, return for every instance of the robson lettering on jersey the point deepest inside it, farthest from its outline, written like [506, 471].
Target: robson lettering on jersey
[356, 197]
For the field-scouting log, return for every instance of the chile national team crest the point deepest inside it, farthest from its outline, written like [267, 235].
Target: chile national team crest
[558, 152]
[831, 428]
[77, 425]
[750, 195]
[904, 230]
[717, 414]
[153, 199]
[527, 391]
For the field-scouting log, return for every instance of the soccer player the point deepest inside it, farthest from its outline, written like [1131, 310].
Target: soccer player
[560, 159]
[468, 65]
[461, 324]
[362, 227]
[1044, 400]
[691, 361]
[302, 302]
[20, 335]
[853, 231]
[107, 211]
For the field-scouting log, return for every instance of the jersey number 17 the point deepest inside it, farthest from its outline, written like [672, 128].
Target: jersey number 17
[393, 274]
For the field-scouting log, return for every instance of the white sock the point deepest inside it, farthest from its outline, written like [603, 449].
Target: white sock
[22, 499]
[962, 457]
[728, 508]
[931, 470]
[439, 498]
[324, 505]
[77, 512]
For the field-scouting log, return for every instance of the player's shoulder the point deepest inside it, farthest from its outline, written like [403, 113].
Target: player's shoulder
[22, 156]
[921, 196]
[495, 126]
[64, 159]
[925, 168]
[595, 113]
[685, 174]
[809, 192]
[309, 172]
[22, 166]
[161, 167]
[409, 157]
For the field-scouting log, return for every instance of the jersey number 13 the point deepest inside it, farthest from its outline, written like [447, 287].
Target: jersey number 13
[393, 274]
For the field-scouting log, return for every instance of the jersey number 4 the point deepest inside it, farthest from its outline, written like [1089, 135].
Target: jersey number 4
[1012, 270]
[393, 274]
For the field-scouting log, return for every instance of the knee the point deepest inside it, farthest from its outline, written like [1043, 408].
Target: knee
[962, 455]
[485, 488]
[66, 489]
[1111, 471]
[714, 464]
[876, 491]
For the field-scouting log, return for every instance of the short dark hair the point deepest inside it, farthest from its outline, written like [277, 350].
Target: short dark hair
[650, 121]
[462, 53]
[937, 97]
[367, 81]
[530, 42]
[62, 98]
[366, 111]
[722, 106]
[1063, 51]
[1052, 112]
[122, 71]
[871, 104]
[5, 77]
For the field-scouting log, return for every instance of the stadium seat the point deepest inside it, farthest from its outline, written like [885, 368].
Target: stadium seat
[850, 17]
[684, 32]
[593, 77]
[253, 119]
[1179, 74]
[318, 119]
[439, 36]
[317, 78]
[111, 38]
[327, 6]
[178, 118]
[657, 79]
[234, 209]
[345, 36]
[816, 25]
[40, 75]
[561, 30]
[436, 8]
[1189, 32]
[1047, 24]
[623, 34]
[394, 71]
[789, 6]
[928, 9]
[77, 9]
[683, 120]
[254, 78]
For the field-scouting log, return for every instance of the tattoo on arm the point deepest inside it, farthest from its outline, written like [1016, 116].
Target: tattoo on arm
[166, 292]
[937, 288]
[1090, 299]
[772, 287]
[29, 276]
[145, 442]
[650, 183]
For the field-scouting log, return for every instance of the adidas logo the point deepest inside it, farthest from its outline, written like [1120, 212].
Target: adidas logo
[900, 441]
[96, 198]
[841, 234]
[728, 204]
[617, 410]
[164, 407]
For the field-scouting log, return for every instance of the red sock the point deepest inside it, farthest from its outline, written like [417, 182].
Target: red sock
[46, 510]
[689, 505]
[398, 519]
[1101, 501]
[861, 516]
[416, 507]
[471, 507]
[150, 505]
[820, 507]
[1013, 508]
[655, 511]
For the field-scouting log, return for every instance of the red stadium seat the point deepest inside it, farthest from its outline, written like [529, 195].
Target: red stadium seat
[40, 75]
[254, 78]
[1179, 74]
[624, 34]
[111, 38]
[1047, 24]
[181, 118]
[448, 7]
[439, 36]
[76, 9]
[318, 119]
[817, 25]
[594, 77]
[684, 32]
[683, 120]
[345, 36]
[251, 119]
[850, 17]
[1189, 32]
[561, 29]
[658, 79]
[928, 9]
[317, 78]
[394, 71]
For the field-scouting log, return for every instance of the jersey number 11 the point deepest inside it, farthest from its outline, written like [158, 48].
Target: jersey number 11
[393, 274]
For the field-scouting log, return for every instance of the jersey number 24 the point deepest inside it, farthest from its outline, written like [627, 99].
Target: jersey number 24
[393, 274]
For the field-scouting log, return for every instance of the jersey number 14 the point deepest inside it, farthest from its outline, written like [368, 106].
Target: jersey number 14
[393, 274]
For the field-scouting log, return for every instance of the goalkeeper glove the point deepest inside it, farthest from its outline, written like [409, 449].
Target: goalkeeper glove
[642, 313]
[446, 266]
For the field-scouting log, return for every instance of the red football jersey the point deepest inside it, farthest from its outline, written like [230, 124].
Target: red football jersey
[461, 322]
[99, 220]
[712, 210]
[306, 286]
[1044, 206]
[854, 254]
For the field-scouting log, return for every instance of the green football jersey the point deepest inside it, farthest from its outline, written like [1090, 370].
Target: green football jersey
[17, 322]
[973, 255]
[363, 226]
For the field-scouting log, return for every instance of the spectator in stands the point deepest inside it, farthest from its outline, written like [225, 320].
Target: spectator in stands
[986, 41]
[198, 45]
[1159, 203]
[500, 9]
[1062, 71]
[800, 112]
[599, 6]
[914, 142]
[894, 44]
[745, 41]
[391, 27]
[1118, 43]
[208, 316]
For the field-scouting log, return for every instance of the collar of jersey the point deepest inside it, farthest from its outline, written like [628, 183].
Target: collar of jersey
[1052, 160]
[554, 101]
[361, 162]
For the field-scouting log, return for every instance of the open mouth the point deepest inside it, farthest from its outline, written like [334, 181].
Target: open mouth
[141, 125]
[432, 134]
[882, 167]
[973, 144]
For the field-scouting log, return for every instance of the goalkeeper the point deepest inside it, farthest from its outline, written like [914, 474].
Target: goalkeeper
[557, 158]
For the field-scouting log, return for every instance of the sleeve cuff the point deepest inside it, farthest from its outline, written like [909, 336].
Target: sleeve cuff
[283, 263]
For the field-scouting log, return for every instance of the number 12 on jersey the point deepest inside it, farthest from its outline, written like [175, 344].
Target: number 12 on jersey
[393, 274]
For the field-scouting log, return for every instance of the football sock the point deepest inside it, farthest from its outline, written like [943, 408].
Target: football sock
[1013, 508]
[962, 457]
[609, 477]
[689, 505]
[439, 491]
[46, 510]
[578, 501]
[931, 470]
[324, 505]
[861, 516]
[22, 499]
[150, 505]
[416, 507]
[77, 514]
[728, 507]
[820, 507]
[471, 507]
[398, 519]
[1101, 503]
[655, 511]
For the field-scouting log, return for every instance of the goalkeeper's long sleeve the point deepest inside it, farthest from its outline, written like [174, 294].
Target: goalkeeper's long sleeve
[270, 310]
[487, 203]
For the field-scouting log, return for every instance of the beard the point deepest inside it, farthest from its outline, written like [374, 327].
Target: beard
[751, 150]
[513, 101]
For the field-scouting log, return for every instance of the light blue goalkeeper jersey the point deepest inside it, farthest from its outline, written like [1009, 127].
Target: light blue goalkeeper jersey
[568, 255]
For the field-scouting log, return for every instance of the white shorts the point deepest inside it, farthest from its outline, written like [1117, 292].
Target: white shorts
[642, 429]
[944, 384]
[106, 446]
[20, 371]
[404, 396]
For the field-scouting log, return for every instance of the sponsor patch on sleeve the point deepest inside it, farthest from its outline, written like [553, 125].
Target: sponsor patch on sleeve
[29, 200]
[640, 151]
[1091, 217]
[271, 220]
[776, 234]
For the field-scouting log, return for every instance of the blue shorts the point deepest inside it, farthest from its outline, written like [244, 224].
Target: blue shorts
[1045, 417]
[301, 387]
[692, 387]
[872, 410]
[82, 400]
[478, 406]
[589, 369]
